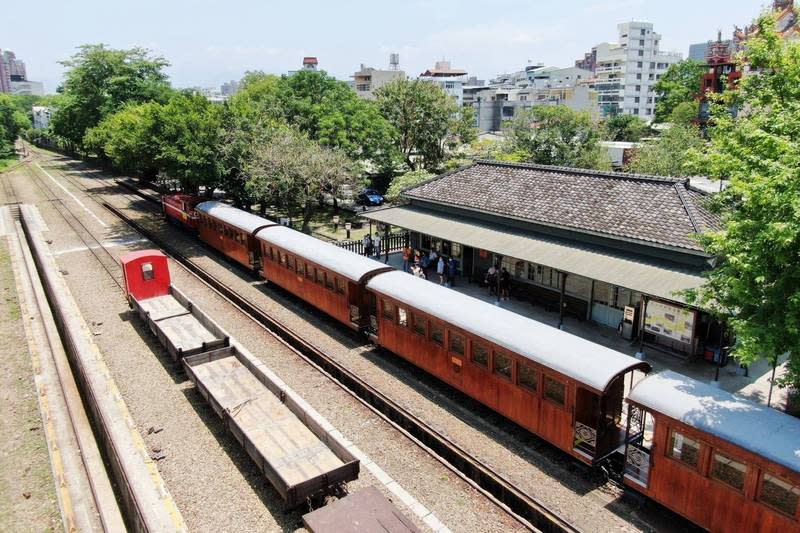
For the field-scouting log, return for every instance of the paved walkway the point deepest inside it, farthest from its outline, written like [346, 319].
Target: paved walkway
[754, 386]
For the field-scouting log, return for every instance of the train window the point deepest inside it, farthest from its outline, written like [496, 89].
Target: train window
[340, 286]
[779, 494]
[502, 364]
[301, 268]
[480, 355]
[419, 324]
[555, 391]
[147, 271]
[290, 262]
[282, 256]
[457, 343]
[329, 281]
[728, 471]
[309, 271]
[320, 275]
[402, 317]
[527, 377]
[388, 310]
[437, 333]
[684, 449]
[271, 253]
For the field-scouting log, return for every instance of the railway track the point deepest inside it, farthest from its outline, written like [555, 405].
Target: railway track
[525, 508]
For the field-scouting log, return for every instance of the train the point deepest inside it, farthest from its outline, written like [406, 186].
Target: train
[723, 462]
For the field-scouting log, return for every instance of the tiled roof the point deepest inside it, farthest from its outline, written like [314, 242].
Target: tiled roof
[653, 209]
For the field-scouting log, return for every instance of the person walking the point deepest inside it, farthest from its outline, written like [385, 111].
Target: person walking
[406, 256]
[505, 284]
[491, 279]
[376, 242]
[440, 270]
[452, 270]
[367, 244]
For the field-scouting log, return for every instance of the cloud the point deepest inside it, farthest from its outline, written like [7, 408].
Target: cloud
[609, 6]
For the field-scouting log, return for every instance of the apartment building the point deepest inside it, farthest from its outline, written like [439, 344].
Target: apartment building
[627, 70]
[452, 80]
[367, 80]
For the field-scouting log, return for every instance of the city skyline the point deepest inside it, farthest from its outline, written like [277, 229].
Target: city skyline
[217, 42]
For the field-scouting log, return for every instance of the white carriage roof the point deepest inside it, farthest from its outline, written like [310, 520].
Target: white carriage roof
[349, 264]
[235, 217]
[754, 427]
[589, 363]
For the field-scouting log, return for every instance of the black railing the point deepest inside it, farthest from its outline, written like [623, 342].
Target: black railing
[394, 242]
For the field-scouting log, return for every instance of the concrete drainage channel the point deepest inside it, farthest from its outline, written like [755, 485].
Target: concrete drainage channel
[140, 496]
[529, 511]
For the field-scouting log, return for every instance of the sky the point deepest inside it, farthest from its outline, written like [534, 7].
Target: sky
[208, 42]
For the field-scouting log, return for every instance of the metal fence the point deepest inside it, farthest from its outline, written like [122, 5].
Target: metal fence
[394, 242]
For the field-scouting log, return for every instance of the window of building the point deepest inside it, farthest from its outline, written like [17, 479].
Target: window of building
[636, 111]
[779, 494]
[638, 88]
[684, 449]
[655, 43]
[402, 317]
[329, 281]
[641, 53]
[728, 471]
[648, 111]
[340, 286]
[639, 76]
[650, 76]
[457, 343]
[652, 64]
[635, 99]
[437, 333]
[643, 32]
[641, 42]
[388, 310]
[527, 377]
[419, 324]
[480, 354]
[320, 275]
[639, 64]
[502, 364]
[455, 249]
[555, 391]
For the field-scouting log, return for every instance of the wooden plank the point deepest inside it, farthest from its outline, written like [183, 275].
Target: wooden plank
[364, 511]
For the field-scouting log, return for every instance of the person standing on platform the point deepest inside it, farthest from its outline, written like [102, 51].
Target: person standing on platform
[452, 270]
[505, 284]
[376, 241]
[367, 243]
[406, 256]
[440, 270]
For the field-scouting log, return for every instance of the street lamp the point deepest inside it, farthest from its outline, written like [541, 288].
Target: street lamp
[347, 226]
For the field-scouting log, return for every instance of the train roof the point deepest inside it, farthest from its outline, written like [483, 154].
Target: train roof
[754, 427]
[235, 217]
[349, 264]
[587, 362]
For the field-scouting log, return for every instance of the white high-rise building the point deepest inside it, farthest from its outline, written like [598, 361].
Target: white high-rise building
[627, 70]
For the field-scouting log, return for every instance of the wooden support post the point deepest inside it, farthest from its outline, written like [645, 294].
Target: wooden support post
[563, 277]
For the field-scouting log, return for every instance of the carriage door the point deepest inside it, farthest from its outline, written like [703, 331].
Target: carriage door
[356, 299]
[372, 310]
[638, 444]
[587, 416]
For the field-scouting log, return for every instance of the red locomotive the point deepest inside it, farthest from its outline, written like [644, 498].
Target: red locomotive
[180, 209]
[723, 462]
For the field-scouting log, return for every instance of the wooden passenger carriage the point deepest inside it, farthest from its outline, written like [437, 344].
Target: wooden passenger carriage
[231, 231]
[721, 461]
[559, 386]
[330, 278]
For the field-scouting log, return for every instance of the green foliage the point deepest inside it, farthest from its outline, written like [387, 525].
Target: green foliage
[406, 181]
[668, 154]
[426, 121]
[624, 127]
[293, 171]
[756, 280]
[557, 135]
[12, 120]
[679, 84]
[684, 113]
[100, 81]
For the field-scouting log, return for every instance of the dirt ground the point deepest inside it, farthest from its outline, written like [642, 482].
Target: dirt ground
[27, 491]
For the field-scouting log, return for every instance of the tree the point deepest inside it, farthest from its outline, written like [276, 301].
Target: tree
[669, 154]
[406, 181]
[624, 127]
[557, 135]
[426, 121]
[684, 113]
[293, 171]
[12, 122]
[127, 139]
[100, 81]
[679, 84]
[755, 284]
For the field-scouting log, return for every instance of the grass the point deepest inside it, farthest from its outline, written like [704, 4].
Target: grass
[6, 162]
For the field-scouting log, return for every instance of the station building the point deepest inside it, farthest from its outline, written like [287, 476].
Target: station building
[614, 248]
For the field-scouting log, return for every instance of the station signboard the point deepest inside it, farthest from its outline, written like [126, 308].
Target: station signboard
[670, 321]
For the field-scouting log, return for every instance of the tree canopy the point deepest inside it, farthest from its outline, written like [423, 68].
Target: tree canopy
[557, 135]
[679, 84]
[756, 281]
[100, 81]
[406, 181]
[12, 122]
[426, 121]
[669, 154]
[625, 127]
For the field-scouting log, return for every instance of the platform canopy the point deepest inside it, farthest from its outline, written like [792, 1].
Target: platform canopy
[660, 279]
[752, 426]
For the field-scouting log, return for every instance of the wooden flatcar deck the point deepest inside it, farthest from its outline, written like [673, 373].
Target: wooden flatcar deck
[294, 452]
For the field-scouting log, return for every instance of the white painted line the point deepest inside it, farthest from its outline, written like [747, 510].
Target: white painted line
[6, 222]
[107, 244]
[72, 196]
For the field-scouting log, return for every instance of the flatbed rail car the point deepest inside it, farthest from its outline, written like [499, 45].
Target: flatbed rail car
[299, 453]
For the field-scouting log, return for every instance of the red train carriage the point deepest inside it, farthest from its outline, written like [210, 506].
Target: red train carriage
[723, 462]
[180, 209]
[231, 231]
[328, 277]
[564, 388]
